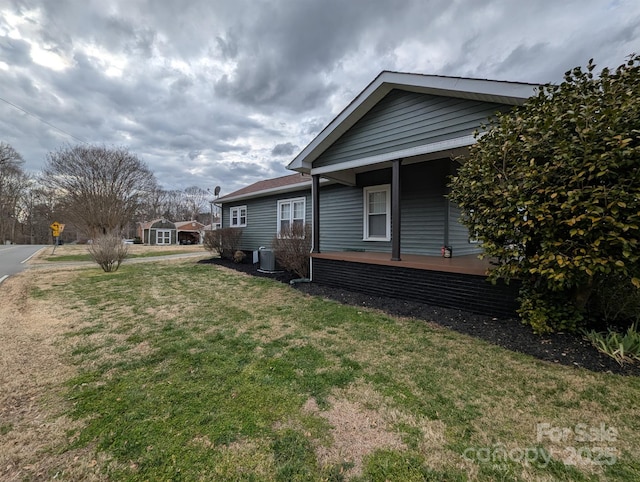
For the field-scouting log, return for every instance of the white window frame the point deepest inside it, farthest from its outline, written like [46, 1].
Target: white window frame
[291, 203]
[386, 188]
[236, 212]
[161, 235]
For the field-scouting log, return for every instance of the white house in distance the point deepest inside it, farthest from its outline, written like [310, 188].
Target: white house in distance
[162, 232]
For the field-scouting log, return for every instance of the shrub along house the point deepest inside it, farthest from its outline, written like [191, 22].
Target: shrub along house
[383, 224]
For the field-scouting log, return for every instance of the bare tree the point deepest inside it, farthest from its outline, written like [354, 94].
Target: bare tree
[13, 182]
[173, 205]
[101, 187]
[38, 209]
[152, 204]
[196, 200]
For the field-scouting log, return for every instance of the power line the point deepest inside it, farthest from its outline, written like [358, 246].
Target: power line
[43, 121]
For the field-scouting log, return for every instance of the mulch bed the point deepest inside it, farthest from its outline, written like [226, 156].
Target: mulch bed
[561, 348]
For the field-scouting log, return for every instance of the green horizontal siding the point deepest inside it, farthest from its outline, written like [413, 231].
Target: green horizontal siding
[407, 119]
[262, 218]
[459, 234]
[341, 218]
[424, 207]
[423, 211]
[424, 214]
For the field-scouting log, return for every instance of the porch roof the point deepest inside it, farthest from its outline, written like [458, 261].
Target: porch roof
[467, 264]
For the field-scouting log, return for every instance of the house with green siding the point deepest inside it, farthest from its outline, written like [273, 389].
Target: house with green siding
[263, 208]
[374, 188]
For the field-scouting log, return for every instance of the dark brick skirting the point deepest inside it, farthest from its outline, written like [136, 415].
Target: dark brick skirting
[450, 290]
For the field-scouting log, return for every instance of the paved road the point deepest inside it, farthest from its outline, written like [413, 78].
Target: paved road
[13, 258]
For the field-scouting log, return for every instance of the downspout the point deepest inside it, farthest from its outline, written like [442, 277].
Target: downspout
[315, 213]
[315, 220]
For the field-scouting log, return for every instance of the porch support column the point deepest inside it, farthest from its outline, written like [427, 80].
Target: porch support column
[395, 210]
[315, 213]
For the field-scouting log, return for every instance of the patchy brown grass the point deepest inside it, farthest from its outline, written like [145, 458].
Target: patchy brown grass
[496, 396]
[32, 370]
[135, 249]
[355, 432]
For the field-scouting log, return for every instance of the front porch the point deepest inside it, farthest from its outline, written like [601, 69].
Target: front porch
[457, 283]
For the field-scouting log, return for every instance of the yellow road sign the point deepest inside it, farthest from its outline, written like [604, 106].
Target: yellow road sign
[56, 228]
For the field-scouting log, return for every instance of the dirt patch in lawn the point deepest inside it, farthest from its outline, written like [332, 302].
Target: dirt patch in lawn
[355, 431]
[31, 367]
[363, 421]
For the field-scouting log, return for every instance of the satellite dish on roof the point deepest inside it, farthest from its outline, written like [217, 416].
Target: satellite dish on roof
[216, 191]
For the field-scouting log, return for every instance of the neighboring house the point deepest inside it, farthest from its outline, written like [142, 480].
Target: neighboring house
[262, 208]
[214, 226]
[383, 223]
[164, 232]
[190, 232]
[158, 232]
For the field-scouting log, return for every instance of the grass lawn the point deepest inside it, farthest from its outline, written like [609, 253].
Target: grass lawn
[193, 372]
[71, 253]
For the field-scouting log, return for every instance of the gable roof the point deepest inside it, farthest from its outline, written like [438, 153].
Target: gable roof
[149, 224]
[292, 182]
[189, 225]
[502, 92]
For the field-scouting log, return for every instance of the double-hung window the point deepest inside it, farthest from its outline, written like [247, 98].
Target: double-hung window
[377, 213]
[238, 216]
[291, 213]
[163, 236]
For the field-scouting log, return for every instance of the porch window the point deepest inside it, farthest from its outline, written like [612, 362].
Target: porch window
[377, 213]
[291, 212]
[238, 216]
[163, 236]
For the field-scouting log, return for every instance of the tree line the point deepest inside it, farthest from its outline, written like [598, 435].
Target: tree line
[94, 190]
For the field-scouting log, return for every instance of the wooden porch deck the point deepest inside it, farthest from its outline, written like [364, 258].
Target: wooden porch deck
[468, 264]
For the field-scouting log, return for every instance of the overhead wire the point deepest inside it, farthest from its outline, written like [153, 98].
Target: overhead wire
[42, 120]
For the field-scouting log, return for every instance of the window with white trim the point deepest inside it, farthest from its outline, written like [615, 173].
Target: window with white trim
[238, 216]
[377, 213]
[291, 212]
[163, 236]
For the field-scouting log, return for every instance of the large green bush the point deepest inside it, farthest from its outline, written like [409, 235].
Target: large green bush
[552, 189]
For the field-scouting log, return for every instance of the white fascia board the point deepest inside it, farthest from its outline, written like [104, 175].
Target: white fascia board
[499, 91]
[404, 153]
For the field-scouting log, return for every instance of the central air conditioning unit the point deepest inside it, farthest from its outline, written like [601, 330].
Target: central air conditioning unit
[267, 260]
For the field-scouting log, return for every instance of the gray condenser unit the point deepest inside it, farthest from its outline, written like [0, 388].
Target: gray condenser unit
[267, 260]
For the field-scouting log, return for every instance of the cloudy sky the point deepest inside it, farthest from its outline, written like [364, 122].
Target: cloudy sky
[227, 92]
